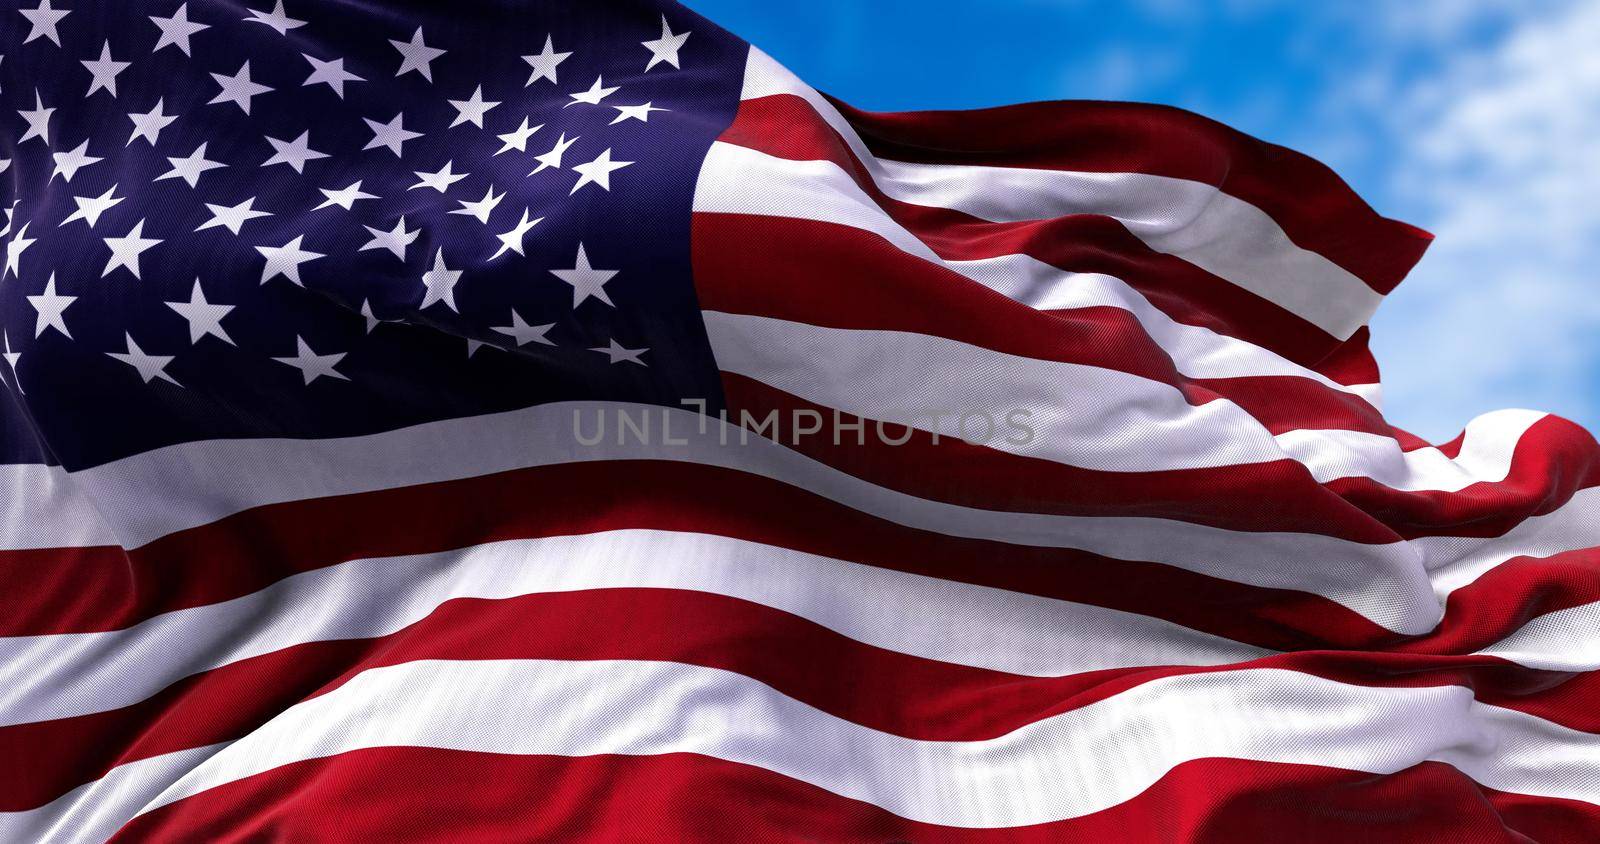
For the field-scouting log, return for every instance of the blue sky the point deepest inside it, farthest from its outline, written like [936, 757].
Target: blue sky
[1476, 119]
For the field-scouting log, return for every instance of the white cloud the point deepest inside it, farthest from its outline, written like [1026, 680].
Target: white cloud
[1121, 73]
[1498, 153]
[1445, 21]
[1478, 120]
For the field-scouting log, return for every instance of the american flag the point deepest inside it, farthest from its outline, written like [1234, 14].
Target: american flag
[554, 420]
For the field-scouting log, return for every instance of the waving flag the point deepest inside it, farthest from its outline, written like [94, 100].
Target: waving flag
[554, 420]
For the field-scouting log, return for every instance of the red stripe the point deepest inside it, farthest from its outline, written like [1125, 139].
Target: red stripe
[44, 590]
[227, 559]
[788, 127]
[878, 688]
[1351, 362]
[1553, 461]
[423, 794]
[1509, 596]
[1313, 206]
[1276, 496]
[1548, 467]
[1252, 498]
[884, 291]
[806, 268]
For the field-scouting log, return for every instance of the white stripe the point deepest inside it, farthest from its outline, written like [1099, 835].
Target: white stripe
[738, 180]
[41, 508]
[60, 676]
[149, 495]
[1564, 640]
[1197, 352]
[1225, 236]
[1486, 451]
[764, 77]
[1065, 766]
[1371, 393]
[1084, 416]
[183, 486]
[94, 811]
[1454, 562]
[1197, 222]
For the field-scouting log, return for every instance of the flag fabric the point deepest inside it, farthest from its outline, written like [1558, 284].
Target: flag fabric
[554, 420]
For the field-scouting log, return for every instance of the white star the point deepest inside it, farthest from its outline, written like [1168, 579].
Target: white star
[150, 367]
[38, 119]
[232, 217]
[518, 140]
[285, 260]
[125, 251]
[44, 20]
[294, 153]
[69, 163]
[275, 19]
[440, 283]
[544, 64]
[190, 167]
[345, 199]
[366, 314]
[391, 135]
[52, 309]
[512, 240]
[12, 359]
[18, 244]
[597, 171]
[203, 317]
[416, 55]
[330, 73]
[176, 30]
[593, 96]
[148, 125]
[91, 207]
[553, 157]
[524, 333]
[238, 88]
[640, 113]
[619, 353]
[473, 346]
[104, 70]
[586, 281]
[11, 219]
[440, 181]
[482, 208]
[472, 110]
[665, 48]
[312, 365]
[395, 241]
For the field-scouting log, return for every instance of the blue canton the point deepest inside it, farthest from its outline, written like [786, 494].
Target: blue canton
[322, 219]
